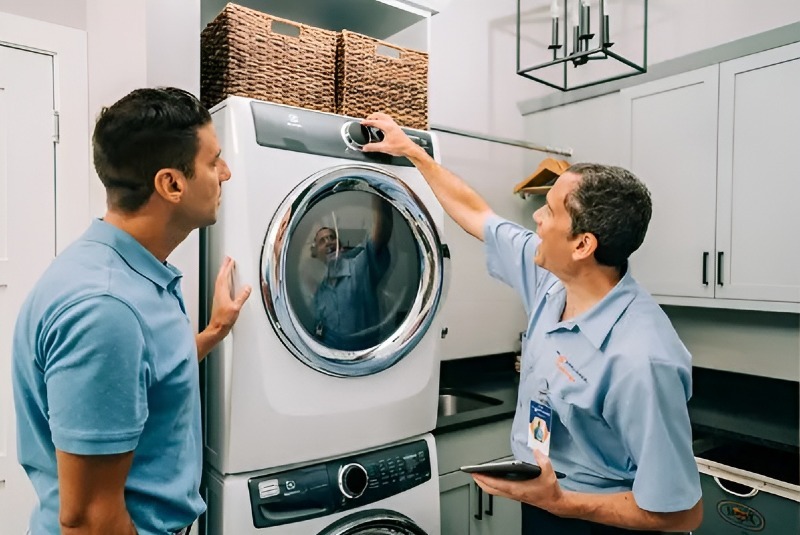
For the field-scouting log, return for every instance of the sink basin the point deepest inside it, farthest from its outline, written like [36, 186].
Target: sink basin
[453, 401]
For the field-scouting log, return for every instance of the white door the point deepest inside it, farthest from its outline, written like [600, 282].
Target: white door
[759, 182]
[671, 144]
[27, 237]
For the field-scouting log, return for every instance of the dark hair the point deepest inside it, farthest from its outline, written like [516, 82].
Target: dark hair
[614, 205]
[143, 132]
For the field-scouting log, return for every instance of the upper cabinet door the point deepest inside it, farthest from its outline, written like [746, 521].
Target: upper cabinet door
[758, 210]
[670, 143]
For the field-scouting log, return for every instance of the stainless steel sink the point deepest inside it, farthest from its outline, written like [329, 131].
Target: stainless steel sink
[453, 401]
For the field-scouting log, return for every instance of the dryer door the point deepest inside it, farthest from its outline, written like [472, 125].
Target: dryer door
[351, 270]
[374, 522]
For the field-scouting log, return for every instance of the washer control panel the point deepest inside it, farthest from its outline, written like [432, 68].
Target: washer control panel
[327, 488]
[325, 134]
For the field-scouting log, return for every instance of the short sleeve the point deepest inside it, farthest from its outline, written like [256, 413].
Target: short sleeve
[646, 406]
[510, 251]
[379, 260]
[96, 377]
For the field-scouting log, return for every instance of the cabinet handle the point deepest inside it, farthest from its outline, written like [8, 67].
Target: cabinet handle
[719, 268]
[490, 509]
[705, 268]
[479, 514]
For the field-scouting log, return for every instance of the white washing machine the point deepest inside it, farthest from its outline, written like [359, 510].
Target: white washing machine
[337, 349]
[390, 491]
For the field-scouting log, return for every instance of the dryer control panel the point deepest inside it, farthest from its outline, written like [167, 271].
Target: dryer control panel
[327, 488]
[325, 134]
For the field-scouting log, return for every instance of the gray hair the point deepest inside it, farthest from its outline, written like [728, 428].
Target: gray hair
[614, 205]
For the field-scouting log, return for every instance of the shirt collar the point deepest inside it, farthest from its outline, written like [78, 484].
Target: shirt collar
[596, 323]
[133, 253]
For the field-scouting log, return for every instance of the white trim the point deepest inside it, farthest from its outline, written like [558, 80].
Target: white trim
[733, 304]
[748, 479]
[68, 47]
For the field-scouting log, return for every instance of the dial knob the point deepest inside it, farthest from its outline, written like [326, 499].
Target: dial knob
[353, 480]
[356, 135]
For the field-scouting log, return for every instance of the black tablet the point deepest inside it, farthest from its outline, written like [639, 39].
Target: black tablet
[512, 470]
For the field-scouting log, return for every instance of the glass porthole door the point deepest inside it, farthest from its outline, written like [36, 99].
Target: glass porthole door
[351, 270]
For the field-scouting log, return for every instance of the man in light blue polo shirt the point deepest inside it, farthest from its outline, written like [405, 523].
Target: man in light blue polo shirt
[603, 371]
[346, 308]
[105, 363]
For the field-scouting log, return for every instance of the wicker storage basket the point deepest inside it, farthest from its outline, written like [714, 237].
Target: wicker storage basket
[241, 55]
[367, 81]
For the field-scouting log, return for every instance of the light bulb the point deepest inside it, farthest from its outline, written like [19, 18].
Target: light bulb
[554, 9]
[586, 3]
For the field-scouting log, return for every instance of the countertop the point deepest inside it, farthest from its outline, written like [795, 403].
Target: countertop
[736, 406]
[492, 376]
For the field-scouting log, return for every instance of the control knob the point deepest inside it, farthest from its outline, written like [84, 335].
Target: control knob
[353, 480]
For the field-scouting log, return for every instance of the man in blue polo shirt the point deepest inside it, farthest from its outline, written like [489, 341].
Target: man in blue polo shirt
[346, 308]
[602, 368]
[105, 363]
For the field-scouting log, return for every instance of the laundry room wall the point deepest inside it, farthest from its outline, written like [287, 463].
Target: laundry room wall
[132, 44]
[70, 13]
[474, 86]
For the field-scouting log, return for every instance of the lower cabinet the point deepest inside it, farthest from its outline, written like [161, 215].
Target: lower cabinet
[465, 508]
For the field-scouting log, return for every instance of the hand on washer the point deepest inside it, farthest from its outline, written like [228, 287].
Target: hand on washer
[395, 141]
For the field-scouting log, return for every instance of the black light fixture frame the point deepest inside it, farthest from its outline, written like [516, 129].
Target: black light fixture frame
[579, 58]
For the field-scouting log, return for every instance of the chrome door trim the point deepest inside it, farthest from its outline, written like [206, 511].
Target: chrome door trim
[374, 519]
[355, 177]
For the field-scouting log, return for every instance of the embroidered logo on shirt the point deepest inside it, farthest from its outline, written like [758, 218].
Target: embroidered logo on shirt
[564, 366]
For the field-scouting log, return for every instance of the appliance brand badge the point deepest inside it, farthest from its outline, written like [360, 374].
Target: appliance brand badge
[294, 121]
[740, 515]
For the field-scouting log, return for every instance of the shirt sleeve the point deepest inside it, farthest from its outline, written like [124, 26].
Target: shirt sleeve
[646, 406]
[96, 377]
[510, 249]
[378, 260]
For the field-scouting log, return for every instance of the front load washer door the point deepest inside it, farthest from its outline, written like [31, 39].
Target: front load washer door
[374, 522]
[351, 270]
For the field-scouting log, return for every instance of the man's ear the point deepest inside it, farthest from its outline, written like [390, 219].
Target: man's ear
[170, 185]
[585, 246]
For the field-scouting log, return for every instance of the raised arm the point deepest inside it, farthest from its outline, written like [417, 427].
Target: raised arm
[461, 202]
[382, 224]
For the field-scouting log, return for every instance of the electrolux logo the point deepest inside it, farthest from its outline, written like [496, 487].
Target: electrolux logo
[294, 121]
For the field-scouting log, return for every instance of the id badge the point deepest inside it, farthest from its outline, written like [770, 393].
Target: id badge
[539, 426]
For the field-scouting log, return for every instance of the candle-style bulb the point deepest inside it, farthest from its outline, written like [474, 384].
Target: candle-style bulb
[554, 9]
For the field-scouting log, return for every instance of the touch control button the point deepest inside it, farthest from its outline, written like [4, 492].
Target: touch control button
[353, 480]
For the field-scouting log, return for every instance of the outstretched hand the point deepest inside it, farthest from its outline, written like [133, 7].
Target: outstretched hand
[543, 492]
[395, 141]
[224, 309]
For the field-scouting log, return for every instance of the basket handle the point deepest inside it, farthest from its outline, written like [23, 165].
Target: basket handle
[753, 491]
[381, 45]
[285, 22]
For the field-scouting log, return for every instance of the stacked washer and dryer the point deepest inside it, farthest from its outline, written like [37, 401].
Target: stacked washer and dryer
[320, 403]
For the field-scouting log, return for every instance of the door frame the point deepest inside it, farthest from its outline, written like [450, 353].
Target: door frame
[68, 47]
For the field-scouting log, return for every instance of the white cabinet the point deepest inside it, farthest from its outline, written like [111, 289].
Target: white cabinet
[465, 508]
[382, 19]
[758, 181]
[716, 148]
[671, 144]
